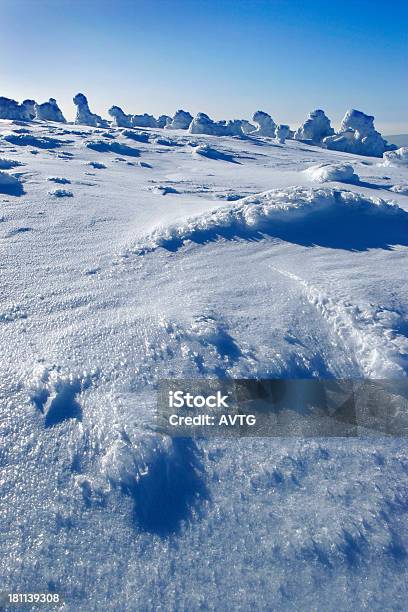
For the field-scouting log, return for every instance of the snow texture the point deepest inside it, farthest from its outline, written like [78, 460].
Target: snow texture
[10, 109]
[396, 158]
[282, 132]
[146, 120]
[316, 127]
[120, 119]
[203, 124]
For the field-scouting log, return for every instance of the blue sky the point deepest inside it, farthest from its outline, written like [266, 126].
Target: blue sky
[227, 58]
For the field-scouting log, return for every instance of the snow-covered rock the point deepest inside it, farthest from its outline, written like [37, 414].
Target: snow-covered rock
[247, 127]
[282, 132]
[265, 125]
[322, 173]
[144, 120]
[10, 109]
[163, 120]
[49, 111]
[84, 116]
[315, 128]
[203, 124]
[120, 119]
[357, 135]
[180, 121]
[396, 158]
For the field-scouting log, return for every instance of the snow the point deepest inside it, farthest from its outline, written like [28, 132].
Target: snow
[9, 183]
[316, 127]
[147, 120]
[323, 173]
[120, 119]
[203, 124]
[10, 109]
[358, 135]
[265, 125]
[396, 158]
[213, 257]
[282, 132]
[49, 111]
[180, 121]
[84, 116]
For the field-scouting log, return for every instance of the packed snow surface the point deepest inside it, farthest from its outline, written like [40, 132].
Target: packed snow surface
[125, 262]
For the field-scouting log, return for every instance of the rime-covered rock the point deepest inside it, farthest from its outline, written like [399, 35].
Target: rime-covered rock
[10, 109]
[203, 124]
[358, 135]
[265, 125]
[49, 111]
[282, 132]
[247, 127]
[144, 120]
[163, 120]
[120, 119]
[84, 116]
[180, 121]
[396, 158]
[315, 128]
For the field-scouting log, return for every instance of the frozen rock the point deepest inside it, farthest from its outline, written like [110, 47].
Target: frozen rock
[10, 109]
[315, 128]
[357, 135]
[396, 158]
[49, 111]
[265, 125]
[120, 119]
[144, 120]
[324, 173]
[282, 132]
[180, 121]
[84, 116]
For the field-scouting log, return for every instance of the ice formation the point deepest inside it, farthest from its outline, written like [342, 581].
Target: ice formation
[323, 173]
[282, 132]
[315, 128]
[10, 109]
[84, 116]
[203, 124]
[396, 158]
[120, 119]
[180, 121]
[144, 120]
[247, 127]
[358, 135]
[49, 111]
[265, 124]
[163, 120]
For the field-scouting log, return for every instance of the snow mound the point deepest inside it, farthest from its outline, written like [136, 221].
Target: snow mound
[10, 109]
[402, 189]
[10, 184]
[105, 146]
[6, 164]
[357, 135]
[203, 124]
[282, 132]
[84, 116]
[137, 136]
[323, 173]
[59, 180]
[96, 165]
[265, 125]
[61, 193]
[329, 217]
[180, 121]
[49, 111]
[120, 119]
[147, 120]
[396, 158]
[163, 120]
[27, 140]
[315, 128]
[211, 153]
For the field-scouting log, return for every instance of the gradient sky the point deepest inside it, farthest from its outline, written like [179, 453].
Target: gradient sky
[227, 58]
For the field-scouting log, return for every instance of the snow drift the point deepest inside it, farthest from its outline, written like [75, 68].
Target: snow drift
[330, 217]
[323, 173]
[315, 128]
[84, 116]
[10, 184]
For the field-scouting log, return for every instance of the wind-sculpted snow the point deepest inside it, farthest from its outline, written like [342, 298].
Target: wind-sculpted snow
[332, 172]
[329, 217]
[10, 184]
[265, 125]
[49, 111]
[105, 146]
[29, 140]
[10, 109]
[120, 119]
[84, 116]
[316, 127]
[396, 158]
[180, 121]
